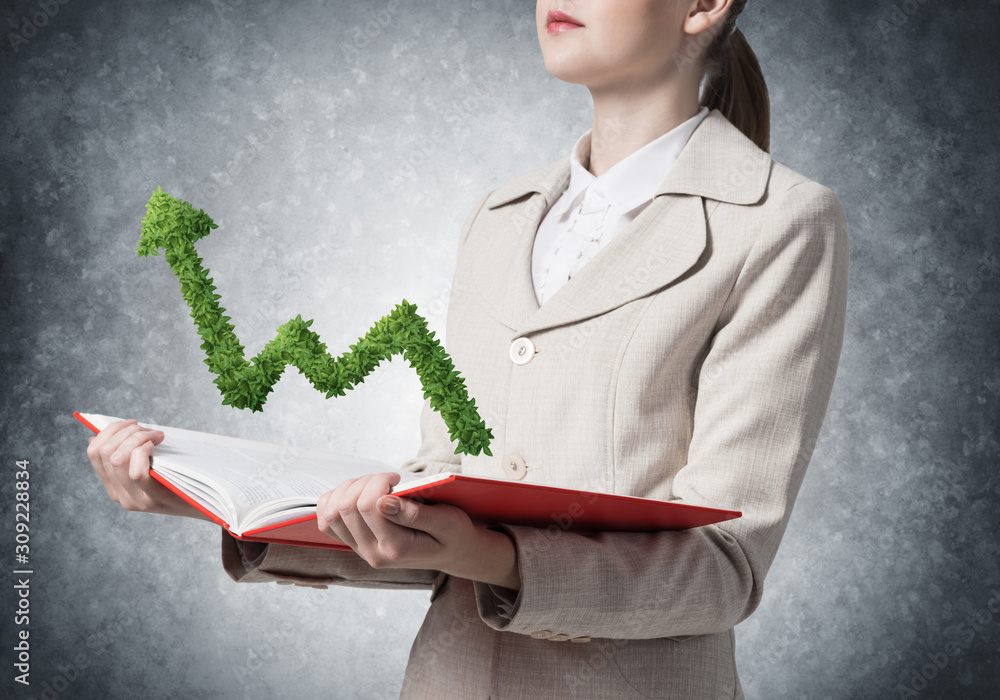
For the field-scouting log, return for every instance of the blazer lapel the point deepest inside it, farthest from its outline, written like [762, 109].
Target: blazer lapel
[656, 248]
[501, 261]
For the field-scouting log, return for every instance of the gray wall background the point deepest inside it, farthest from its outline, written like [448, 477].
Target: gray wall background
[287, 122]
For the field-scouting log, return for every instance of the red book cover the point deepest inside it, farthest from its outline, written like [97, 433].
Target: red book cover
[490, 500]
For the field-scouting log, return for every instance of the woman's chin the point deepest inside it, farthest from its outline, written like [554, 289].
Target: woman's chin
[568, 72]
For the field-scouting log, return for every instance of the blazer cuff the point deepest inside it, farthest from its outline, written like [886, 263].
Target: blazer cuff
[503, 601]
[526, 611]
[534, 608]
[259, 562]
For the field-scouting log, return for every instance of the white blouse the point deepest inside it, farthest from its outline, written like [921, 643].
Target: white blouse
[592, 210]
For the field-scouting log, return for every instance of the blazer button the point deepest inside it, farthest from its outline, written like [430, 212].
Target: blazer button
[521, 351]
[580, 639]
[558, 637]
[513, 466]
[541, 634]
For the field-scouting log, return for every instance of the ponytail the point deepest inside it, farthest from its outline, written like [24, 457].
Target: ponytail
[736, 85]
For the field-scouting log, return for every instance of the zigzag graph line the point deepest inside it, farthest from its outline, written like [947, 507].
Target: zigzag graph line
[174, 225]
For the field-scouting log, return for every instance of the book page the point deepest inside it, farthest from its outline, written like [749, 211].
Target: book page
[244, 473]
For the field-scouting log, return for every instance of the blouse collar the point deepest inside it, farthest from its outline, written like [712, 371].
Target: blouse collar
[634, 179]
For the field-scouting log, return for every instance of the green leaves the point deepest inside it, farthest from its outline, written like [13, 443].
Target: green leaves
[174, 226]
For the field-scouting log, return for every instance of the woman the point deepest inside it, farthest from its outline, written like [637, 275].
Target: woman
[659, 314]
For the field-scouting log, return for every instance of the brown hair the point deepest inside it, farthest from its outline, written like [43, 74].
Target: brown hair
[735, 84]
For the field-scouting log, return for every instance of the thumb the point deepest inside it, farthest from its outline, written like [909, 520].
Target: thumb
[434, 519]
[390, 506]
[402, 511]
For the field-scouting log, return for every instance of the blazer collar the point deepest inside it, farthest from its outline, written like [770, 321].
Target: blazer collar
[717, 163]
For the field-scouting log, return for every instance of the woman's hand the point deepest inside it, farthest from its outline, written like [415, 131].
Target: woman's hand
[393, 532]
[120, 455]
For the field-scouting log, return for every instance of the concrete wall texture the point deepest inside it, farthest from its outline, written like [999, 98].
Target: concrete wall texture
[340, 156]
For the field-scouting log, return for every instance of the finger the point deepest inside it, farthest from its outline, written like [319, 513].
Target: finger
[110, 446]
[122, 455]
[111, 440]
[116, 464]
[326, 505]
[393, 543]
[95, 462]
[328, 516]
[132, 492]
[102, 439]
[112, 429]
[352, 523]
[436, 520]
[138, 465]
[140, 488]
[107, 444]
[115, 491]
[109, 485]
[378, 485]
[101, 447]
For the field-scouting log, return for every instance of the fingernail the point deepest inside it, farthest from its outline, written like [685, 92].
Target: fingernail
[388, 505]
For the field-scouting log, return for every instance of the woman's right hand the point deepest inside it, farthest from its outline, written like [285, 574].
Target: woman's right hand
[120, 455]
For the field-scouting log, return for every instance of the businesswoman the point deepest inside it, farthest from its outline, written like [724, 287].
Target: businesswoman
[659, 313]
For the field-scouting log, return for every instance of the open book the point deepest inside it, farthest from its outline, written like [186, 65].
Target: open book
[262, 492]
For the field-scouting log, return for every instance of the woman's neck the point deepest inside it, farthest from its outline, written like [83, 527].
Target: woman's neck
[625, 121]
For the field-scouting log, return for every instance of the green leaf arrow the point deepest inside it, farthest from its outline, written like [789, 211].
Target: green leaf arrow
[174, 225]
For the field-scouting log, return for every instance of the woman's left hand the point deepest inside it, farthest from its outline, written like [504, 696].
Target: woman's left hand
[394, 532]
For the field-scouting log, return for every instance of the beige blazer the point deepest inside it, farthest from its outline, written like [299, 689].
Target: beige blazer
[691, 359]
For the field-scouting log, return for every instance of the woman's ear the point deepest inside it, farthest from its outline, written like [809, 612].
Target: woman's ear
[704, 15]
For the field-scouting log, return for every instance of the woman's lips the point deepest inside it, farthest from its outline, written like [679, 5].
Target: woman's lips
[558, 21]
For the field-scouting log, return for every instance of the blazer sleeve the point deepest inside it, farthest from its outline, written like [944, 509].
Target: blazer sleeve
[763, 389]
[257, 562]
